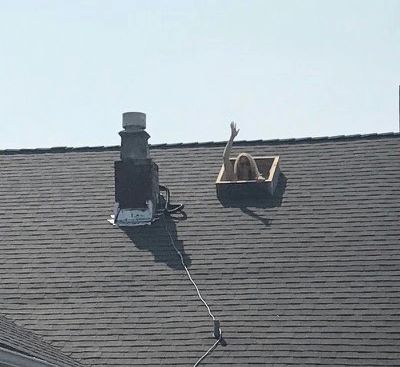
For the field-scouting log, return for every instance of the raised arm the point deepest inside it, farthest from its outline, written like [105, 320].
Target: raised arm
[229, 174]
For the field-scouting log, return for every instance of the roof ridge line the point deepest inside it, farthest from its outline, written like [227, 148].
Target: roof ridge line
[102, 148]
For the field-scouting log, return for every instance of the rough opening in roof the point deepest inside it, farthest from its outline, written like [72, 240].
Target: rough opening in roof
[246, 176]
[268, 167]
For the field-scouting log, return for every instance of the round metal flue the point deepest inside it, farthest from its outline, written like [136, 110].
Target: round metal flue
[134, 146]
[134, 121]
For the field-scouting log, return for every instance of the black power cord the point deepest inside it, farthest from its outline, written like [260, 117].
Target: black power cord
[166, 207]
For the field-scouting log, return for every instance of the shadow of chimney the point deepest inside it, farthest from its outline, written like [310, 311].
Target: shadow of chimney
[155, 239]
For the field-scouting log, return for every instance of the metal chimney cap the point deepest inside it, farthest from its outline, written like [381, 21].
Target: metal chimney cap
[134, 120]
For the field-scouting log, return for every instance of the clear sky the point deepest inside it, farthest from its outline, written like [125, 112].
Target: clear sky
[281, 69]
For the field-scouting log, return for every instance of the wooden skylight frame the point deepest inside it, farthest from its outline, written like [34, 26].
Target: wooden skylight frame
[268, 166]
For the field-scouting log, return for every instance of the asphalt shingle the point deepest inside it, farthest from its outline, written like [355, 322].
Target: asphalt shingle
[309, 278]
[22, 341]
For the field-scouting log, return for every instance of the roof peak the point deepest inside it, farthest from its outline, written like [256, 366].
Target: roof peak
[201, 144]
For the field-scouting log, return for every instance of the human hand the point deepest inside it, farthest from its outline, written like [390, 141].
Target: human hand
[260, 178]
[234, 131]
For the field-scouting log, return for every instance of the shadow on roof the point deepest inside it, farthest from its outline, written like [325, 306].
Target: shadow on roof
[155, 239]
[268, 202]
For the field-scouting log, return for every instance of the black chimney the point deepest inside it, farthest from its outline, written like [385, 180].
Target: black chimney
[136, 175]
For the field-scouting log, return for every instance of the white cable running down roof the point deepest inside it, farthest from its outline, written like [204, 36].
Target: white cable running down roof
[200, 297]
[210, 350]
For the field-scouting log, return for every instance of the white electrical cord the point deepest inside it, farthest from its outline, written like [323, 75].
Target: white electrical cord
[210, 350]
[217, 329]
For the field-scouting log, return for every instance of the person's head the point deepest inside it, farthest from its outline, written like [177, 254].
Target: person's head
[245, 167]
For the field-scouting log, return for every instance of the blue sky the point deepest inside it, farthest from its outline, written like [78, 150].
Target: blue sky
[280, 69]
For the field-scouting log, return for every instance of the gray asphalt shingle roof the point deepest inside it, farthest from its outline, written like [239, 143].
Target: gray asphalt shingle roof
[22, 341]
[309, 278]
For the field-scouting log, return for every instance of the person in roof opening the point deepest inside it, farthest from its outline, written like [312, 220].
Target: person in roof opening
[244, 168]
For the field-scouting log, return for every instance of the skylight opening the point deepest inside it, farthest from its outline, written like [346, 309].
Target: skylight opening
[237, 189]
